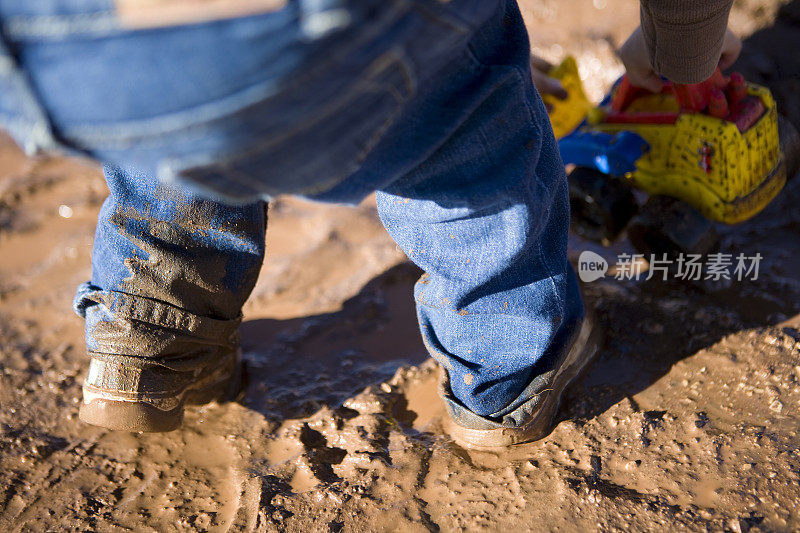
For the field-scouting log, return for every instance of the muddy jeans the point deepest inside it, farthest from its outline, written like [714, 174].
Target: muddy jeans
[429, 103]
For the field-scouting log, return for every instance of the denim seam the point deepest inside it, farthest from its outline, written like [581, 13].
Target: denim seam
[157, 313]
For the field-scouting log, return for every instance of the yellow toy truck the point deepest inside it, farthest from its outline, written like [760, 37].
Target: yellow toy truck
[712, 152]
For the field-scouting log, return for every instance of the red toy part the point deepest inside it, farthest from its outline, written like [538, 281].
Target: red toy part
[626, 93]
[717, 104]
[737, 89]
[694, 98]
[718, 96]
[746, 113]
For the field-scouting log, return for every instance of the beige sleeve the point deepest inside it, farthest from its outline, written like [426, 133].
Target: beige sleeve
[684, 37]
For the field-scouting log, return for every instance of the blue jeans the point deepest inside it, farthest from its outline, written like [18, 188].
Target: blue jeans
[428, 103]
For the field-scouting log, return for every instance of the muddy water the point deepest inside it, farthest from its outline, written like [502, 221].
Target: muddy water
[688, 418]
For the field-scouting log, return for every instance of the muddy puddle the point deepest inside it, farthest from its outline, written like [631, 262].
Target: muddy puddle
[688, 418]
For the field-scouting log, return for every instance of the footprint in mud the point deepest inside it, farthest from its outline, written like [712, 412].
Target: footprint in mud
[369, 432]
[338, 463]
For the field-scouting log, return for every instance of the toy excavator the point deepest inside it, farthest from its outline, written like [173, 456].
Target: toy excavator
[717, 151]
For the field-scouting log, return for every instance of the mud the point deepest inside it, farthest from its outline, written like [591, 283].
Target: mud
[688, 419]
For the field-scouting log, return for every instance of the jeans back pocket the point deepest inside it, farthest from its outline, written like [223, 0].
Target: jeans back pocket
[305, 145]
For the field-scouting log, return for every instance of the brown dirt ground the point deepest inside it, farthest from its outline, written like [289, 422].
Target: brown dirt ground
[688, 419]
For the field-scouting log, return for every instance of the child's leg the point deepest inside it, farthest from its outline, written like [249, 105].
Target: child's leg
[487, 217]
[170, 273]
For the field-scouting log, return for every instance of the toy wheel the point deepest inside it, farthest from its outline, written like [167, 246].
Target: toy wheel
[790, 146]
[665, 225]
[600, 205]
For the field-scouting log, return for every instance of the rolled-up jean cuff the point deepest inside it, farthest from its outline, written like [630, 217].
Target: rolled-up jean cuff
[120, 324]
[527, 401]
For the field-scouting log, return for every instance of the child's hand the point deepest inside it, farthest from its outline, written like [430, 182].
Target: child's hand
[731, 48]
[635, 56]
[543, 82]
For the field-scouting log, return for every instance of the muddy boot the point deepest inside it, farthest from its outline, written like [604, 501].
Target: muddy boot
[170, 274]
[151, 397]
[576, 354]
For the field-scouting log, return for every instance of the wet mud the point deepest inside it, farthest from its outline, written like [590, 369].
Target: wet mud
[688, 418]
